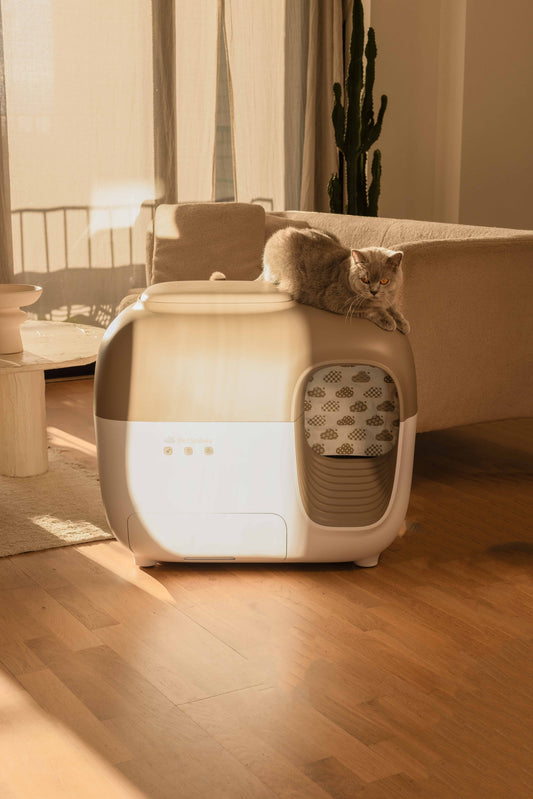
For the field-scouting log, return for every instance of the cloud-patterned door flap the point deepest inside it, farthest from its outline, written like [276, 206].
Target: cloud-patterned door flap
[351, 409]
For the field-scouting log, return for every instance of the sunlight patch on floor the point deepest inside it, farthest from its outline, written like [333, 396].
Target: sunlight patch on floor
[58, 438]
[42, 757]
[115, 558]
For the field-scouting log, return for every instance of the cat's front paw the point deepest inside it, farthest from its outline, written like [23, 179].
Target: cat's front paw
[385, 322]
[403, 326]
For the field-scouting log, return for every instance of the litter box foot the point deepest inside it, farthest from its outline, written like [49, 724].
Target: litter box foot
[144, 563]
[367, 563]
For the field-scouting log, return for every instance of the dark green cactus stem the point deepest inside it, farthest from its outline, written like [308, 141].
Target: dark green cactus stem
[352, 94]
[356, 130]
[335, 194]
[338, 116]
[374, 189]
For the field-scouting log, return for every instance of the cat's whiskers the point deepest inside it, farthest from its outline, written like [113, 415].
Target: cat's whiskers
[354, 303]
[349, 302]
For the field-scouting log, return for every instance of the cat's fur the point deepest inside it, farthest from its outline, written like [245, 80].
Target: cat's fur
[316, 269]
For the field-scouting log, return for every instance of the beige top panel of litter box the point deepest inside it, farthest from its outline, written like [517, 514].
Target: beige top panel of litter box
[229, 360]
[214, 296]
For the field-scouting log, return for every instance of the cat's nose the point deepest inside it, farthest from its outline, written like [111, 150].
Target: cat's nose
[374, 291]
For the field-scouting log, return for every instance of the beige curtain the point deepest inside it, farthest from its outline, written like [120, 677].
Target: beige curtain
[197, 23]
[324, 68]
[78, 142]
[283, 58]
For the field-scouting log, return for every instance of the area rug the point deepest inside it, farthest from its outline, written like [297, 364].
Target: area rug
[59, 508]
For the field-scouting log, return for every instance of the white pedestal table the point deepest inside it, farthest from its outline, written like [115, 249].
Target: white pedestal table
[47, 345]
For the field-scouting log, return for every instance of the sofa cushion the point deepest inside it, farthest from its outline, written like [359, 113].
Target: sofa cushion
[192, 240]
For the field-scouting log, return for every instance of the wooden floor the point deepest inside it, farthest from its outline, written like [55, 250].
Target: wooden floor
[413, 679]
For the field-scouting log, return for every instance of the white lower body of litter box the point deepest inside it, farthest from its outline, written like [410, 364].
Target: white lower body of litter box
[198, 491]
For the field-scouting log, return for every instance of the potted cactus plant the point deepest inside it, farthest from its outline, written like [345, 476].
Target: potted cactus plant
[356, 130]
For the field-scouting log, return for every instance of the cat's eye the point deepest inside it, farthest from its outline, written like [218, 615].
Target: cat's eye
[384, 281]
[364, 280]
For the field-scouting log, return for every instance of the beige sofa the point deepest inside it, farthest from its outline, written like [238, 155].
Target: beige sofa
[468, 294]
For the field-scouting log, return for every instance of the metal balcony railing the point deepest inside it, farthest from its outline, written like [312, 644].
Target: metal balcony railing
[86, 257]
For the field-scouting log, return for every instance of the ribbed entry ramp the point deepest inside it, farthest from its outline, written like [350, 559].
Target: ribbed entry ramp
[344, 492]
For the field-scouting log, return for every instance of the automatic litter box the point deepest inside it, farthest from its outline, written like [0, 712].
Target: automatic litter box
[234, 424]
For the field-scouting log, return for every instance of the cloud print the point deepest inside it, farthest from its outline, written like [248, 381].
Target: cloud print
[346, 420]
[329, 434]
[386, 406]
[373, 391]
[331, 405]
[361, 377]
[317, 421]
[345, 449]
[332, 377]
[345, 391]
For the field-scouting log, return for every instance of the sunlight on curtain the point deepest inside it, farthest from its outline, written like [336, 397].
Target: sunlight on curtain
[196, 96]
[283, 58]
[256, 57]
[79, 95]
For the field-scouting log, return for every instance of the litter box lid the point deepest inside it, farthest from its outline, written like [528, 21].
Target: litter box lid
[231, 295]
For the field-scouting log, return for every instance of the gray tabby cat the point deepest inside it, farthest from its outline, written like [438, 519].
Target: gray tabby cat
[316, 269]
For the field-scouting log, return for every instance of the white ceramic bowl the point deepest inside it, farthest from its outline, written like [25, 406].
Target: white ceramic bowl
[18, 295]
[13, 296]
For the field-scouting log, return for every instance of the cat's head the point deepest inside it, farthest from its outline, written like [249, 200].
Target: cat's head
[375, 273]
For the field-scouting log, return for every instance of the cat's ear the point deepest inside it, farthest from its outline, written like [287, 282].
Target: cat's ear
[358, 256]
[395, 259]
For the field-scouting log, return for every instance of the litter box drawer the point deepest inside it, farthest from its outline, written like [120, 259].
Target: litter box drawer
[211, 535]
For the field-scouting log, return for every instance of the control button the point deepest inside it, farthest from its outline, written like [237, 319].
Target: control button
[208, 450]
[167, 451]
[188, 450]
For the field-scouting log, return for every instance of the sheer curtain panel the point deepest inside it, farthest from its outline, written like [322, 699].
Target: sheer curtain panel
[283, 58]
[78, 144]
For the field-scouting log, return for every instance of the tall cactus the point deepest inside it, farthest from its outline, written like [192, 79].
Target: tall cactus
[356, 131]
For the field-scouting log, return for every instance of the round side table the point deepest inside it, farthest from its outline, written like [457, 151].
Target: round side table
[47, 345]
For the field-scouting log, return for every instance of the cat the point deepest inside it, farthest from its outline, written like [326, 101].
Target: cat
[316, 269]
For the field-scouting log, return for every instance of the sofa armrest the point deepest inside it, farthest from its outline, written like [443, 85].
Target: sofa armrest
[469, 305]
